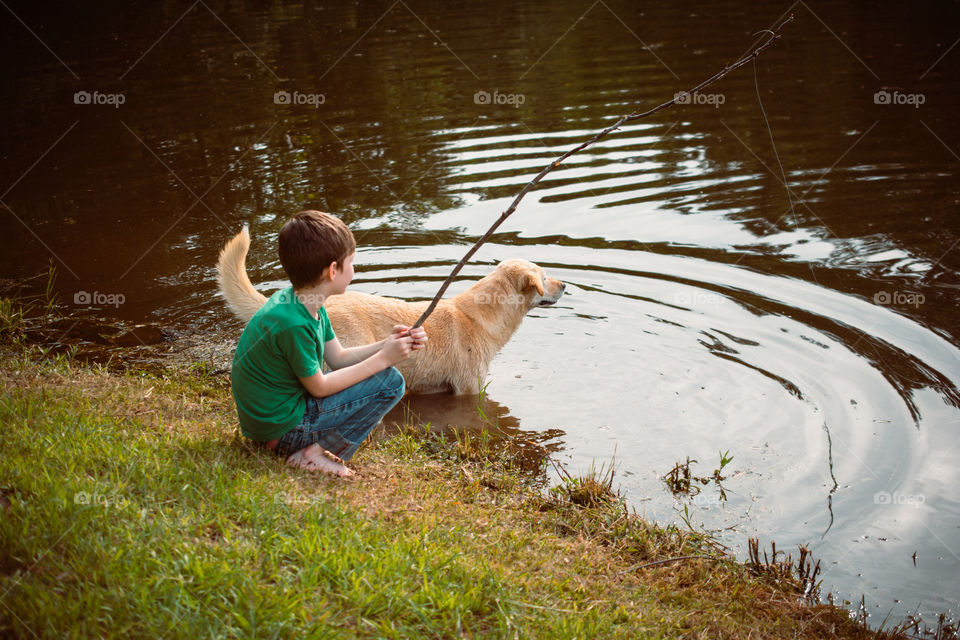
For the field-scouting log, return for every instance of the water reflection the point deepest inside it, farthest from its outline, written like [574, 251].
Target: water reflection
[450, 414]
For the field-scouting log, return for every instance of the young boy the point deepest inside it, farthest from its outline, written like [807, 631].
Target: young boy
[284, 399]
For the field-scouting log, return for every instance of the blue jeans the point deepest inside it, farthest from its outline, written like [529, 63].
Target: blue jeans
[341, 422]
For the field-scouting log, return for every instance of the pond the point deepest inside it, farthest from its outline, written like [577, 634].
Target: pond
[810, 333]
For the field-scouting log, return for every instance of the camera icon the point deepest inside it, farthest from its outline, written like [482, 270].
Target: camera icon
[281, 97]
[82, 297]
[681, 97]
[882, 297]
[82, 97]
[482, 298]
[482, 97]
[81, 497]
[881, 497]
[882, 97]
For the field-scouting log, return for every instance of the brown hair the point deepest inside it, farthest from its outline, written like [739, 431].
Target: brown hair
[309, 242]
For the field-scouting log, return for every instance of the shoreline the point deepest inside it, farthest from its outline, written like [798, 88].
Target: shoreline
[153, 455]
[187, 371]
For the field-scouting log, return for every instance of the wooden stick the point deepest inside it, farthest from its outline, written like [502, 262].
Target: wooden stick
[630, 117]
[637, 567]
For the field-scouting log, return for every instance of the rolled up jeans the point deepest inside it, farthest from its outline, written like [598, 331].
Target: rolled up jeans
[341, 422]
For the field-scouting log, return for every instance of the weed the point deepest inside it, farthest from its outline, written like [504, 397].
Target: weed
[779, 566]
[481, 396]
[18, 312]
[725, 459]
[592, 489]
[11, 320]
[680, 480]
[50, 298]
[915, 625]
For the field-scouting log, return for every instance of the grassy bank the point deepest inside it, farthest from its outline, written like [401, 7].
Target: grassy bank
[129, 509]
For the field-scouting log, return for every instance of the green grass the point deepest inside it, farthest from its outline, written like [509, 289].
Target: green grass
[128, 508]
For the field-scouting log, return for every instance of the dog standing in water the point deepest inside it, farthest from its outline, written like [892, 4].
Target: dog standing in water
[465, 331]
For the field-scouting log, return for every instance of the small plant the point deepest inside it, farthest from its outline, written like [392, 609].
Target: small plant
[50, 297]
[592, 489]
[202, 369]
[11, 320]
[946, 629]
[21, 312]
[482, 390]
[481, 396]
[681, 480]
[474, 448]
[802, 576]
[411, 438]
[725, 459]
[678, 479]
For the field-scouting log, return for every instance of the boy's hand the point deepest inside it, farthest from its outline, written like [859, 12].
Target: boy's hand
[419, 335]
[397, 347]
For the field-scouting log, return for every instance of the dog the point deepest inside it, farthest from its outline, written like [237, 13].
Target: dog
[465, 331]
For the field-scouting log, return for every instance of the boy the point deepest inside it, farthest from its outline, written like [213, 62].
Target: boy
[284, 400]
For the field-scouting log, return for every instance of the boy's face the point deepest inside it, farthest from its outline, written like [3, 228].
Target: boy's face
[343, 275]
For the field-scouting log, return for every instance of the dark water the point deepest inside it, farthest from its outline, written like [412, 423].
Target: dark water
[815, 337]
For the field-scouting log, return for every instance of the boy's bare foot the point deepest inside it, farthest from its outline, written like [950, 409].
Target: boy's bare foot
[316, 458]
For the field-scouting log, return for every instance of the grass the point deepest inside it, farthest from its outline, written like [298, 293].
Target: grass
[128, 508]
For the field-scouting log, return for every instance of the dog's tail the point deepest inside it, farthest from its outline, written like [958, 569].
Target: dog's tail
[232, 278]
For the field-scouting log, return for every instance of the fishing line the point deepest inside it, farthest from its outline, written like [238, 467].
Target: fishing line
[773, 144]
[776, 154]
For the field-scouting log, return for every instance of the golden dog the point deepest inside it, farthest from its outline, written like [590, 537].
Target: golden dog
[465, 331]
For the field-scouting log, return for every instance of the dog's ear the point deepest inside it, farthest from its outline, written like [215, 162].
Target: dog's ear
[531, 279]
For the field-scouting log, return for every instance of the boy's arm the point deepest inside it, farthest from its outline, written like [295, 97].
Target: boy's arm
[321, 385]
[394, 349]
[339, 357]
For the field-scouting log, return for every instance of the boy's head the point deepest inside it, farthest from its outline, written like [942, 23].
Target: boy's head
[309, 242]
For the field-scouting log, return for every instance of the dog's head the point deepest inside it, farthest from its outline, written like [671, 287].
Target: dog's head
[532, 282]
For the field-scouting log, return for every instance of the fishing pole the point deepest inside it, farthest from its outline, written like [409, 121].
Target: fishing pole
[682, 96]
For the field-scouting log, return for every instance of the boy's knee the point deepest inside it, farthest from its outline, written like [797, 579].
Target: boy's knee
[393, 381]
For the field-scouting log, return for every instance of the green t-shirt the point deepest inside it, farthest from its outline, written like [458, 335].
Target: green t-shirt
[281, 343]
